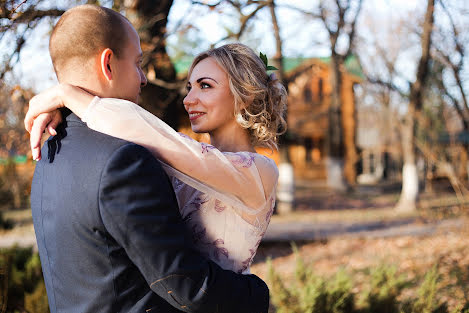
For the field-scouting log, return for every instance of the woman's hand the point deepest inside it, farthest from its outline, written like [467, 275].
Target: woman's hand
[45, 121]
[43, 111]
[45, 102]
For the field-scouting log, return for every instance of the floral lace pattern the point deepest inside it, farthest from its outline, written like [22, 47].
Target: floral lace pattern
[217, 230]
[204, 216]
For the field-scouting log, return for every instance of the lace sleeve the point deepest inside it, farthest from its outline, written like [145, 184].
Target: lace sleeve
[247, 177]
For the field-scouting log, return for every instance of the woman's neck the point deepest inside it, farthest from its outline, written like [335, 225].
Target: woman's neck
[232, 141]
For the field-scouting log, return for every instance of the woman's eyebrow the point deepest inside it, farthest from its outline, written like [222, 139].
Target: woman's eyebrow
[202, 78]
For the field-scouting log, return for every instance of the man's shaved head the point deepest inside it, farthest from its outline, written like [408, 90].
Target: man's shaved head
[84, 32]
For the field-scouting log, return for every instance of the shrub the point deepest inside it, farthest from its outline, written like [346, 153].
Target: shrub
[21, 281]
[426, 301]
[385, 287]
[310, 293]
[14, 186]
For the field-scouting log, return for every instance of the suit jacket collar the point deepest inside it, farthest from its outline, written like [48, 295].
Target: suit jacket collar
[71, 119]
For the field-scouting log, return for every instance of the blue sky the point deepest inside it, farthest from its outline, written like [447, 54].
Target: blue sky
[301, 37]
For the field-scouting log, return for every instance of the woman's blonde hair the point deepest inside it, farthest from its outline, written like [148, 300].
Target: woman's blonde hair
[260, 99]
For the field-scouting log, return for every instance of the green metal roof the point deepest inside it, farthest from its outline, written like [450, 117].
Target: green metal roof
[19, 159]
[351, 64]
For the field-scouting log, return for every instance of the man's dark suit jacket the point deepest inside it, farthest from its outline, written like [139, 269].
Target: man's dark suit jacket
[111, 239]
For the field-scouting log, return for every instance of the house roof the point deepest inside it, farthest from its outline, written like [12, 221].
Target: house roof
[351, 64]
[19, 159]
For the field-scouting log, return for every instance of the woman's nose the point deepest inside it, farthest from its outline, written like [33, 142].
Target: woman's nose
[189, 99]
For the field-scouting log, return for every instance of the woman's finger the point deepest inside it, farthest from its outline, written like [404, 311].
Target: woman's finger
[47, 101]
[32, 113]
[37, 129]
[56, 120]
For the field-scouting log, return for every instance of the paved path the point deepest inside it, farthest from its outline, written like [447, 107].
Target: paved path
[307, 231]
[303, 231]
[27, 239]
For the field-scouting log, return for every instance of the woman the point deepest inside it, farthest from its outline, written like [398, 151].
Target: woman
[225, 191]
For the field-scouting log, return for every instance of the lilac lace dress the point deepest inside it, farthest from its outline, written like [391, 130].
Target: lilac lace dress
[225, 198]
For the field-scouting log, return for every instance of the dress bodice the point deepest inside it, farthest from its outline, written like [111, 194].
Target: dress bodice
[217, 230]
[226, 198]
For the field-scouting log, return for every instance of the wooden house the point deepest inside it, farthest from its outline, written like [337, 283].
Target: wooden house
[309, 100]
[308, 103]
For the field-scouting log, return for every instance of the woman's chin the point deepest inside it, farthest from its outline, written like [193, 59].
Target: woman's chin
[198, 130]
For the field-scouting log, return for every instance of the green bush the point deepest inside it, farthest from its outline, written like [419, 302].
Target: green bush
[21, 281]
[385, 287]
[426, 301]
[310, 293]
[14, 187]
[6, 196]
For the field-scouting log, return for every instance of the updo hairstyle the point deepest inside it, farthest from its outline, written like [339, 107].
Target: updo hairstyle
[260, 99]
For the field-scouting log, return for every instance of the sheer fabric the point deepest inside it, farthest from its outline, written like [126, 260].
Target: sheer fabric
[226, 198]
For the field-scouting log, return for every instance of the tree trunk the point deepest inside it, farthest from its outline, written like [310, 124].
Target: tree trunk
[278, 44]
[410, 181]
[335, 143]
[410, 188]
[150, 18]
[349, 124]
[286, 183]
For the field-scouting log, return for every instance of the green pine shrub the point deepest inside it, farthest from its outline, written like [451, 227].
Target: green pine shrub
[385, 287]
[310, 293]
[37, 300]
[21, 281]
[426, 300]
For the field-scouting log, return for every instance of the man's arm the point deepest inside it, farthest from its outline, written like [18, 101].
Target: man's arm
[140, 211]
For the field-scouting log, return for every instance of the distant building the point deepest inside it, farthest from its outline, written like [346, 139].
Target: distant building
[308, 105]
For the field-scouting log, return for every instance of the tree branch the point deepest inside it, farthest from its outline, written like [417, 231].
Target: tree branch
[351, 35]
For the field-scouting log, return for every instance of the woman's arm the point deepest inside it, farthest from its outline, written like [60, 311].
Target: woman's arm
[59, 96]
[43, 113]
[247, 176]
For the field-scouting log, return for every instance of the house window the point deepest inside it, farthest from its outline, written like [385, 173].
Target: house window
[307, 95]
[308, 147]
[320, 90]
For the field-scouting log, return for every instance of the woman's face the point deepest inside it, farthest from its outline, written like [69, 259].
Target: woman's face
[209, 101]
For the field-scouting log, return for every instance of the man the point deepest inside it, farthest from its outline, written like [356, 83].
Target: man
[107, 224]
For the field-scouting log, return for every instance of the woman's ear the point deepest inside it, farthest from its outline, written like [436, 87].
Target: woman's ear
[106, 68]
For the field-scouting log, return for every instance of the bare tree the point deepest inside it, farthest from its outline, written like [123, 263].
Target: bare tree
[410, 181]
[450, 50]
[433, 99]
[161, 96]
[17, 19]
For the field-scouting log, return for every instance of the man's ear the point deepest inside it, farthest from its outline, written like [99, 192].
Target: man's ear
[106, 68]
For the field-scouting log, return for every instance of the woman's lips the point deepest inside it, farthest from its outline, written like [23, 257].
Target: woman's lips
[195, 115]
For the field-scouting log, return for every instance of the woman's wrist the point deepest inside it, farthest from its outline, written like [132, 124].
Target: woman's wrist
[75, 98]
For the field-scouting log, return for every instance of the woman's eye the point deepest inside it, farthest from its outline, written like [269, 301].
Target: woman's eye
[188, 88]
[204, 85]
